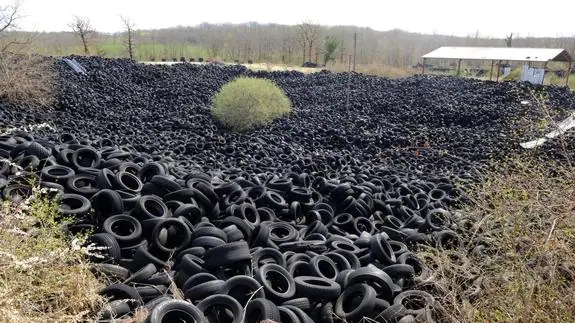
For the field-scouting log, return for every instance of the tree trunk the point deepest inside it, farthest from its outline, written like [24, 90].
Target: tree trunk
[86, 50]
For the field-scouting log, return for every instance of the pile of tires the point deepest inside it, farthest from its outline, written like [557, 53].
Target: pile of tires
[293, 248]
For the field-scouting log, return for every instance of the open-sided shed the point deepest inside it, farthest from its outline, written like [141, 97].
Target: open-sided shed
[499, 54]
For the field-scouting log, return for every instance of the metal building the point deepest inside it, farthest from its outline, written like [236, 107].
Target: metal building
[500, 54]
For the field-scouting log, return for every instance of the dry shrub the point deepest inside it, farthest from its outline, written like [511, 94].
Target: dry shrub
[27, 80]
[518, 259]
[42, 279]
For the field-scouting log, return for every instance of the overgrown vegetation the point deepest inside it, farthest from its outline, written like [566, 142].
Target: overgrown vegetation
[246, 102]
[27, 80]
[516, 262]
[43, 278]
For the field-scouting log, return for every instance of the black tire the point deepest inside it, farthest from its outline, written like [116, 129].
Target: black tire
[107, 203]
[377, 277]
[176, 310]
[150, 292]
[322, 266]
[198, 279]
[272, 275]
[85, 157]
[207, 242]
[222, 301]
[142, 257]
[227, 255]
[74, 205]
[268, 253]
[415, 302]
[241, 288]
[301, 315]
[355, 302]
[287, 315]
[153, 302]
[281, 232]
[203, 290]
[339, 260]
[393, 314]
[302, 303]
[105, 178]
[35, 149]
[127, 182]
[381, 250]
[124, 228]
[399, 271]
[57, 174]
[113, 272]
[177, 240]
[114, 309]
[210, 231]
[317, 288]
[111, 253]
[84, 185]
[261, 309]
[121, 291]
[150, 207]
[161, 278]
[142, 275]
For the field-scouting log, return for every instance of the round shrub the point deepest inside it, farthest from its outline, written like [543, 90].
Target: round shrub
[248, 102]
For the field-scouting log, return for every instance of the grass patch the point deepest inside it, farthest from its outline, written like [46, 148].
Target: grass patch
[245, 103]
[517, 263]
[42, 278]
[27, 80]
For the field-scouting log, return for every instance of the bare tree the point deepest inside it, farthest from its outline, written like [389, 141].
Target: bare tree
[129, 26]
[508, 40]
[9, 15]
[308, 33]
[84, 29]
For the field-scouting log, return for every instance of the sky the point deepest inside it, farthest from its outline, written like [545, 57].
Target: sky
[492, 18]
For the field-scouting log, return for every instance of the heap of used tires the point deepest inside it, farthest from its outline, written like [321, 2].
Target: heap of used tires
[294, 248]
[315, 217]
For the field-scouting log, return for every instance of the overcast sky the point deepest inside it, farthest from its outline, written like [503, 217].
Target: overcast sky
[494, 18]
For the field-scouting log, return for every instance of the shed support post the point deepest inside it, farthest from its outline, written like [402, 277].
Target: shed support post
[570, 65]
[491, 71]
[458, 67]
[423, 67]
[498, 69]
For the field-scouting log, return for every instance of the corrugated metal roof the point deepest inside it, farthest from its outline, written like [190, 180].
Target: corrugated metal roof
[501, 53]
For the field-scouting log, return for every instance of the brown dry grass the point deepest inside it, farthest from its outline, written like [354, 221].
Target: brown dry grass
[27, 80]
[42, 279]
[378, 69]
[523, 216]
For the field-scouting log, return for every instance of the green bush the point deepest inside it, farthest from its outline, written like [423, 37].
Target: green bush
[247, 102]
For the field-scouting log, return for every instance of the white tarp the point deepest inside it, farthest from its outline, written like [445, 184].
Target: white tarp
[562, 127]
[532, 74]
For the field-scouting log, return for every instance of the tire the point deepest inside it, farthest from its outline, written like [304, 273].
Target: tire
[121, 292]
[302, 303]
[381, 250]
[150, 292]
[416, 302]
[287, 315]
[223, 301]
[261, 309]
[150, 207]
[365, 306]
[114, 272]
[176, 310]
[399, 271]
[114, 309]
[127, 182]
[142, 275]
[35, 149]
[322, 266]
[317, 288]
[124, 228]
[374, 276]
[275, 273]
[198, 279]
[241, 287]
[111, 254]
[74, 205]
[84, 185]
[182, 232]
[301, 315]
[107, 203]
[268, 253]
[227, 255]
[57, 174]
[210, 231]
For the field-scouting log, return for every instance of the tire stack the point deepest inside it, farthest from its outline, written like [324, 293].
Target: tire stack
[293, 248]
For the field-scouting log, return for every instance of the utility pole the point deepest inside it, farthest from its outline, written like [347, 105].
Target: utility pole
[354, 49]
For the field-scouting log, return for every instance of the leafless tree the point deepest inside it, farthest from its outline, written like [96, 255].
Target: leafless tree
[84, 29]
[308, 35]
[508, 40]
[9, 16]
[129, 26]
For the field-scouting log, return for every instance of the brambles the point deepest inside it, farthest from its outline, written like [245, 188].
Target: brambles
[27, 81]
[245, 103]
